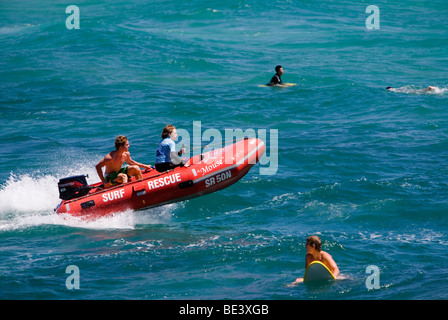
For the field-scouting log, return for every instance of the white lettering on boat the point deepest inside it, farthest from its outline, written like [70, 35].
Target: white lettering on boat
[210, 167]
[218, 178]
[114, 195]
[164, 181]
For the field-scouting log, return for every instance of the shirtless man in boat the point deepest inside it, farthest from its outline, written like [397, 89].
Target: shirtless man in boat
[114, 160]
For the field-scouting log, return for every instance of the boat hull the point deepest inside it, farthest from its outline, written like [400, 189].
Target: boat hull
[203, 174]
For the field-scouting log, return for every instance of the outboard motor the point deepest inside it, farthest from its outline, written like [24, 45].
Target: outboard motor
[73, 187]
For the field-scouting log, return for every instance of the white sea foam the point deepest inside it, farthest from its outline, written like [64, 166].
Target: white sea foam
[37, 192]
[28, 201]
[25, 193]
[420, 90]
[11, 30]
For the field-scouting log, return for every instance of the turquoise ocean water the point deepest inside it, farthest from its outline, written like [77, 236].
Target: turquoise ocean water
[362, 167]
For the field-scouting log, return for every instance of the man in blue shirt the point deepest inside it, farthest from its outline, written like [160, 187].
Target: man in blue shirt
[166, 156]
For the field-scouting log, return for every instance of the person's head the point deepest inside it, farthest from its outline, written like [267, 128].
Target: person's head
[279, 70]
[169, 132]
[121, 141]
[314, 242]
[388, 88]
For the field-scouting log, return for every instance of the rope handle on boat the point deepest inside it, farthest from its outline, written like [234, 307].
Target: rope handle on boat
[214, 144]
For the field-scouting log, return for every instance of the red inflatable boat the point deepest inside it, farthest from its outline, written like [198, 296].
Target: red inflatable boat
[202, 174]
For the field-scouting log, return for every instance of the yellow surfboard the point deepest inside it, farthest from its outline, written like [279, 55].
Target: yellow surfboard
[284, 85]
[317, 271]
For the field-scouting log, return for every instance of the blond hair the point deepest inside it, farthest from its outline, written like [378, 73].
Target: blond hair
[120, 141]
[314, 241]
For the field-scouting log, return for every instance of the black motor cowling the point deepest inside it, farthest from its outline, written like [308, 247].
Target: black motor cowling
[73, 187]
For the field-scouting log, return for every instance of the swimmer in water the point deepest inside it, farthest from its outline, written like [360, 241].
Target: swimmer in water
[314, 253]
[277, 78]
[429, 89]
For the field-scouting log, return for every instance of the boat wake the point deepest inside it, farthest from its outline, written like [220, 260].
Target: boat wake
[29, 201]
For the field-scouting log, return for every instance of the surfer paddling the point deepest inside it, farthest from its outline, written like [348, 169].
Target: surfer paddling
[314, 253]
[277, 78]
[114, 173]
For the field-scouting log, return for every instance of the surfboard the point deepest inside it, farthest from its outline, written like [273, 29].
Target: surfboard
[284, 85]
[317, 271]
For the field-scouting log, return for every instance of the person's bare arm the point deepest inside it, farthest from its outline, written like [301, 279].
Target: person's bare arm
[99, 169]
[135, 163]
[308, 260]
[333, 266]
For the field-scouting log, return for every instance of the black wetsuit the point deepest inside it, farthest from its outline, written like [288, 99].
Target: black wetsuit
[276, 79]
